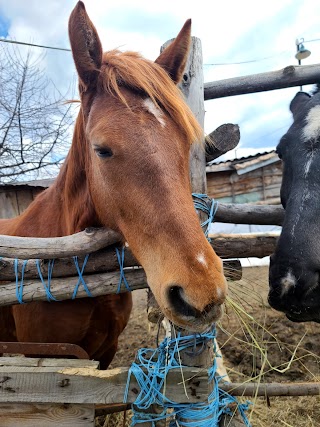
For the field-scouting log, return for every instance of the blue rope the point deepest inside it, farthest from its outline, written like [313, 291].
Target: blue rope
[209, 206]
[122, 278]
[80, 274]
[80, 271]
[150, 371]
[46, 287]
[19, 283]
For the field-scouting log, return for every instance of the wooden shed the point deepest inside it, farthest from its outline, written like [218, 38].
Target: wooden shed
[254, 179]
[15, 197]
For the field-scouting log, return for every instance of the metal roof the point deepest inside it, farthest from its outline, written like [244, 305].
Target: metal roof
[44, 183]
[245, 164]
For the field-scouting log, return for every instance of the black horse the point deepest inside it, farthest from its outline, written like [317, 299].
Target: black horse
[294, 275]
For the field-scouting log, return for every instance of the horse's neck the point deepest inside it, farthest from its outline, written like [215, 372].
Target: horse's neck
[65, 207]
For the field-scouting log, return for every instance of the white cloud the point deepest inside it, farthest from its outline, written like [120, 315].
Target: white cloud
[230, 32]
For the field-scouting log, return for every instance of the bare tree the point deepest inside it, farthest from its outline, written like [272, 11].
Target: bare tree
[34, 121]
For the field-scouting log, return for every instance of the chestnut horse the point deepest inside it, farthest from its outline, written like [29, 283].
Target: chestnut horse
[294, 275]
[127, 169]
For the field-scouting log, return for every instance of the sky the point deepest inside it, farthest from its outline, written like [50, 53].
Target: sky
[238, 38]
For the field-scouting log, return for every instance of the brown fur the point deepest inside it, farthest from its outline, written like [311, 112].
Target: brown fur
[143, 191]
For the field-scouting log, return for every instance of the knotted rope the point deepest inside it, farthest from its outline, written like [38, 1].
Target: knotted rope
[150, 371]
[209, 206]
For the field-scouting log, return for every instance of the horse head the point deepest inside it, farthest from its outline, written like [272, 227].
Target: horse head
[295, 265]
[136, 132]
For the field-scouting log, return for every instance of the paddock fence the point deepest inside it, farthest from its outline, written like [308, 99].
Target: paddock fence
[44, 392]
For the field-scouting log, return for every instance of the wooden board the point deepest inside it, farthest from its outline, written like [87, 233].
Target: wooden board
[46, 415]
[91, 386]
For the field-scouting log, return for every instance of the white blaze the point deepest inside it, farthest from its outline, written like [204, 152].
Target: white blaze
[153, 109]
[201, 259]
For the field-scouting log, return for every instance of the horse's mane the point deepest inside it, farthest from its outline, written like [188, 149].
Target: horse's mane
[129, 69]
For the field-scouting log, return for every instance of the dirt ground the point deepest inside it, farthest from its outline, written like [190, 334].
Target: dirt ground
[253, 345]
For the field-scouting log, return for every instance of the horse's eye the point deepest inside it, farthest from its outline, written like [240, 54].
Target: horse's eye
[103, 152]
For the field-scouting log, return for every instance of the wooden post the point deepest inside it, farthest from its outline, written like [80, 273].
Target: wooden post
[192, 87]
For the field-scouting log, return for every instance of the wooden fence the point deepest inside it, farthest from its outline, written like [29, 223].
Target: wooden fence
[44, 391]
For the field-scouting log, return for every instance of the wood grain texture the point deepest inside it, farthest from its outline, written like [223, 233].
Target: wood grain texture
[223, 139]
[62, 289]
[91, 386]
[290, 76]
[99, 262]
[81, 243]
[46, 415]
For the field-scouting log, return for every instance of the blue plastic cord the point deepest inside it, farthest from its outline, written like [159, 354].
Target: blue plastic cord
[47, 283]
[209, 206]
[150, 371]
[46, 287]
[19, 283]
[122, 274]
[81, 279]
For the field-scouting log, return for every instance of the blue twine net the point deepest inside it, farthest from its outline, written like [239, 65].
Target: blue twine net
[209, 206]
[150, 371]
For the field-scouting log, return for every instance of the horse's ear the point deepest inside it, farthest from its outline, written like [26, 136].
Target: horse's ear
[85, 45]
[298, 102]
[174, 58]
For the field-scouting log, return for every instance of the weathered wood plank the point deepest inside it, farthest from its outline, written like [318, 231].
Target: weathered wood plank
[81, 385]
[94, 239]
[46, 415]
[293, 75]
[99, 262]
[192, 88]
[37, 362]
[61, 289]
[244, 245]
[81, 243]
[226, 245]
[249, 214]
[8, 204]
[273, 389]
[223, 139]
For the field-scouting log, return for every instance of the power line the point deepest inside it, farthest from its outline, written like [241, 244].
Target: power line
[33, 45]
[249, 61]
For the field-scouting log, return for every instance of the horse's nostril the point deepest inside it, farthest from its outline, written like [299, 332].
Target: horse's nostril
[177, 301]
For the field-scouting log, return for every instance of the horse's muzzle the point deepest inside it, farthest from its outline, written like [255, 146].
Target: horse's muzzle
[199, 320]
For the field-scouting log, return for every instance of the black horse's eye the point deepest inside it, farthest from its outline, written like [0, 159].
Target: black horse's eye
[103, 152]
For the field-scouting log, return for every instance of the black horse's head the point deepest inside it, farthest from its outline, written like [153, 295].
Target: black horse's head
[295, 265]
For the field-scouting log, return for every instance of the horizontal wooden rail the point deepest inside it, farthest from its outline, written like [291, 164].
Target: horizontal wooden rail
[293, 75]
[63, 288]
[94, 239]
[249, 214]
[52, 383]
[226, 246]
[249, 245]
[102, 261]
[272, 389]
[258, 245]
[90, 240]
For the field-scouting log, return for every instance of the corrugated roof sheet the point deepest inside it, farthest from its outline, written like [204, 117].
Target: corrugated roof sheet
[44, 183]
[245, 164]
